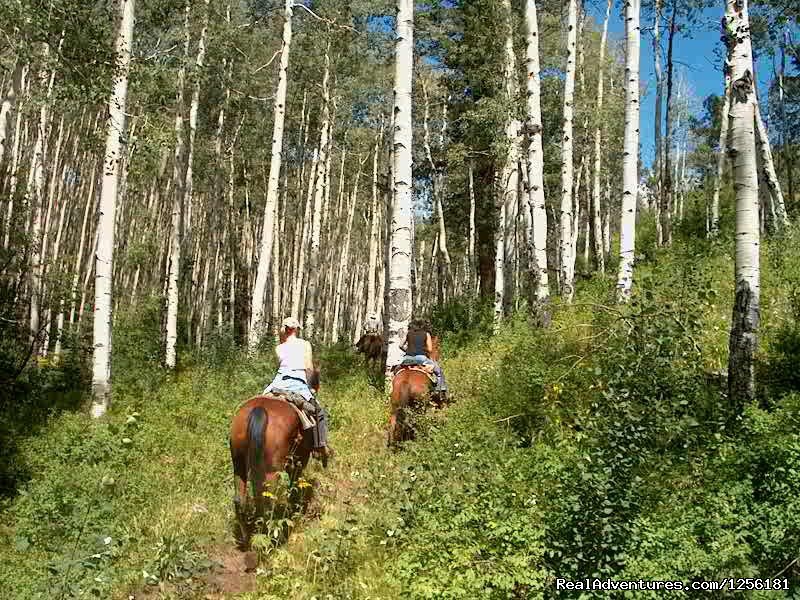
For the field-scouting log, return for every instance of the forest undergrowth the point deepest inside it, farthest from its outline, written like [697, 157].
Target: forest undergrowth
[603, 446]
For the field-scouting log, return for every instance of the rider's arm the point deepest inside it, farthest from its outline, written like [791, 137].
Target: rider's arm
[428, 344]
[308, 356]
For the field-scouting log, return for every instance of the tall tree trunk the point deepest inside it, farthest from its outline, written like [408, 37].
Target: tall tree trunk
[179, 177]
[473, 264]
[567, 248]
[260, 287]
[746, 309]
[667, 191]
[599, 253]
[101, 362]
[768, 171]
[630, 151]
[344, 257]
[658, 161]
[507, 188]
[319, 195]
[537, 236]
[374, 227]
[34, 196]
[786, 149]
[399, 297]
[8, 105]
[722, 154]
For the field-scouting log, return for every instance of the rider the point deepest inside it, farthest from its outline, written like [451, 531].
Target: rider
[372, 324]
[294, 359]
[419, 345]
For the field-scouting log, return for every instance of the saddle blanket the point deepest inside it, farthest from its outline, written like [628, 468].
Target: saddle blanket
[302, 407]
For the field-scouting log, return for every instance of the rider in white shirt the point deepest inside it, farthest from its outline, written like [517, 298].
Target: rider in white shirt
[295, 357]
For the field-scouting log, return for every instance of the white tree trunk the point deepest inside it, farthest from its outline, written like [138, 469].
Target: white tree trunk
[260, 288]
[399, 298]
[630, 152]
[374, 227]
[101, 363]
[8, 104]
[722, 154]
[599, 253]
[769, 174]
[176, 236]
[537, 236]
[471, 240]
[509, 179]
[344, 257]
[566, 247]
[319, 195]
[746, 310]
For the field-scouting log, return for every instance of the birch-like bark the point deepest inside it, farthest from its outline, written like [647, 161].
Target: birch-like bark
[189, 177]
[658, 162]
[722, 154]
[566, 247]
[179, 183]
[344, 257]
[34, 197]
[297, 288]
[746, 309]
[471, 240]
[768, 171]
[104, 256]
[599, 253]
[374, 228]
[667, 200]
[260, 287]
[507, 189]
[399, 297]
[537, 235]
[319, 196]
[630, 152]
[8, 105]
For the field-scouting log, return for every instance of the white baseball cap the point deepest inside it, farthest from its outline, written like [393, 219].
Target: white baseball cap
[291, 323]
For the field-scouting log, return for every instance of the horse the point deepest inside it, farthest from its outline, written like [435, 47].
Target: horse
[371, 346]
[266, 437]
[411, 389]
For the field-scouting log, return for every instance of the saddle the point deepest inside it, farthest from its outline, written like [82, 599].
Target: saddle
[414, 366]
[306, 411]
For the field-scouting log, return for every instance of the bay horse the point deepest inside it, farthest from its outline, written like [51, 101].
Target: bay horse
[371, 346]
[411, 389]
[266, 438]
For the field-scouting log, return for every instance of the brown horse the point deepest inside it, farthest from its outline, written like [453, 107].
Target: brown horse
[371, 346]
[266, 438]
[411, 389]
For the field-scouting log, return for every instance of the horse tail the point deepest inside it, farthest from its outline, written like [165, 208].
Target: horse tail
[256, 427]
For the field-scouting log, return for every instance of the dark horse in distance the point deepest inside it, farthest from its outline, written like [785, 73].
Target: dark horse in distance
[266, 438]
[412, 389]
[371, 346]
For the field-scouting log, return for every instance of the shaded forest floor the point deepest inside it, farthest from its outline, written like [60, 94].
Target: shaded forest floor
[603, 446]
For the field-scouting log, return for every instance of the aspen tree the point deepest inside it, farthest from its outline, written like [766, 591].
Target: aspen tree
[374, 226]
[101, 360]
[599, 251]
[509, 178]
[179, 182]
[742, 151]
[265, 249]
[537, 234]
[630, 152]
[568, 218]
[319, 195]
[399, 285]
[722, 154]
